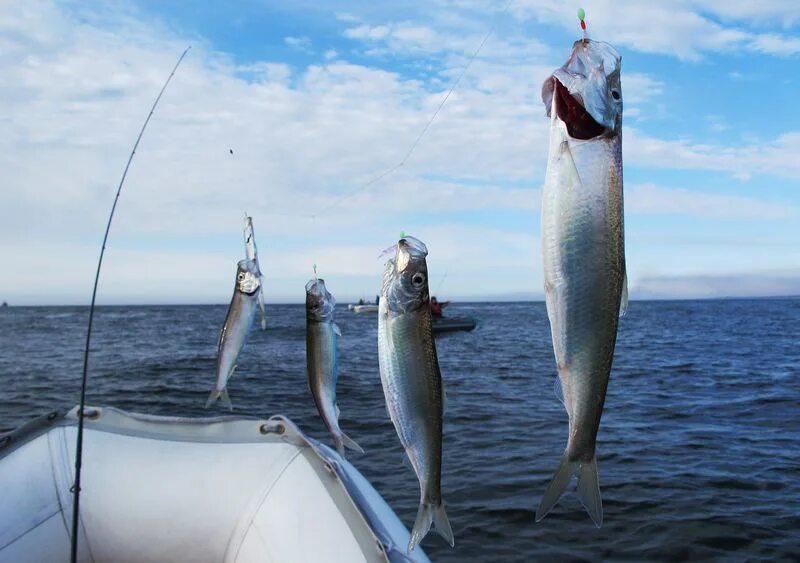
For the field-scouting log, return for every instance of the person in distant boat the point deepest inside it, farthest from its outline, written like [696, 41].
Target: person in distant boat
[377, 299]
[436, 307]
[361, 301]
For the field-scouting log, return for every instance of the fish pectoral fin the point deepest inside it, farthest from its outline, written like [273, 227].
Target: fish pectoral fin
[623, 304]
[263, 309]
[565, 153]
[558, 391]
[336, 410]
[233, 369]
[336, 329]
[588, 488]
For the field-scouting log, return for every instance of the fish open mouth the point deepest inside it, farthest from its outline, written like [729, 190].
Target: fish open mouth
[580, 125]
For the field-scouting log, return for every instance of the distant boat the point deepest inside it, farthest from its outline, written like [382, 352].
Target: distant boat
[453, 324]
[158, 488]
[4, 304]
[360, 309]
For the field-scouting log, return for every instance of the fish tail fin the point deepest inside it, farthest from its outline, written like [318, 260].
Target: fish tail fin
[339, 446]
[222, 395]
[588, 488]
[428, 514]
[344, 441]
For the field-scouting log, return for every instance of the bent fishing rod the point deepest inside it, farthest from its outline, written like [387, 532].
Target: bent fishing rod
[76, 487]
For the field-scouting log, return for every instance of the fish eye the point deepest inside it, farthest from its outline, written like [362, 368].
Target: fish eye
[240, 276]
[615, 94]
[418, 279]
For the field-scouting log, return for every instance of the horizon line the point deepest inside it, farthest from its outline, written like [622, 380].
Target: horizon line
[295, 301]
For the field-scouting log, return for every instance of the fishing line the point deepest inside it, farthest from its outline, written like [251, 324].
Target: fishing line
[76, 487]
[416, 142]
[441, 281]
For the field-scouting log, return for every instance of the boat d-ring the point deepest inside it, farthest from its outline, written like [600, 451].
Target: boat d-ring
[272, 427]
[91, 413]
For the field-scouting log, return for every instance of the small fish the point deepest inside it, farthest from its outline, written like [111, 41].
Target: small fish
[251, 251]
[233, 335]
[412, 383]
[583, 249]
[321, 336]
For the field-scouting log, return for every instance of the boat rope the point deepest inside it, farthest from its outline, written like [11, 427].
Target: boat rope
[76, 487]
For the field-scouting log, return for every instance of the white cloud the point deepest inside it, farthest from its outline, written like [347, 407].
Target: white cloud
[717, 123]
[76, 89]
[638, 88]
[649, 199]
[775, 44]
[681, 28]
[300, 43]
[367, 32]
[72, 106]
[775, 157]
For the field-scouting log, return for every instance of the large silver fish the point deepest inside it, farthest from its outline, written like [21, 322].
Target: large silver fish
[238, 321]
[321, 335]
[583, 250]
[251, 251]
[412, 383]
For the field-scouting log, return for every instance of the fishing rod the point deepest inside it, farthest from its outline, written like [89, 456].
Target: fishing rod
[76, 487]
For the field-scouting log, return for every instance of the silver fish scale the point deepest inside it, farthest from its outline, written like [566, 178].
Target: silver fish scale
[584, 267]
[321, 346]
[413, 388]
[234, 333]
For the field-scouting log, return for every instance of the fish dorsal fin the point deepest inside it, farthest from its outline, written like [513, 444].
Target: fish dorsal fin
[623, 304]
[336, 329]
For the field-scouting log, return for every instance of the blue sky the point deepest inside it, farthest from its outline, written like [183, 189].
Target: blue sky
[316, 99]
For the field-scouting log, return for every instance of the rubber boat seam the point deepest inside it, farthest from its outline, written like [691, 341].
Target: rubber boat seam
[254, 512]
[333, 468]
[67, 470]
[29, 530]
[293, 435]
[391, 551]
[54, 474]
[168, 427]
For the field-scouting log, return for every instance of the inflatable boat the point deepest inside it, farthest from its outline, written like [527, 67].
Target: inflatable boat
[361, 309]
[154, 488]
[452, 324]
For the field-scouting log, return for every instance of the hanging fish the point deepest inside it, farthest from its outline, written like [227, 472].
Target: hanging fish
[583, 249]
[238, 321]
[251, 251]
[321, 336]
[412, 383]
